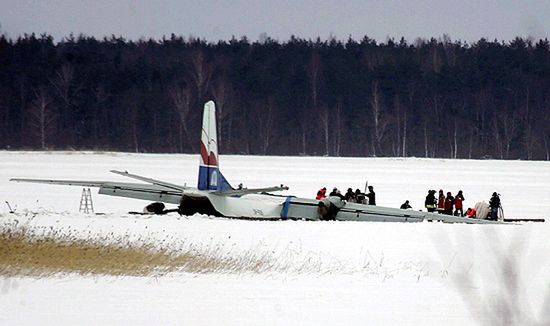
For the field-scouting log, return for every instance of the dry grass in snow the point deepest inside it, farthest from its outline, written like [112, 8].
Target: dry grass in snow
[26, 252]
[40, 252]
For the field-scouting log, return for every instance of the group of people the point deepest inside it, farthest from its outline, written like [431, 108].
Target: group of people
[350, 196]
[445, 204]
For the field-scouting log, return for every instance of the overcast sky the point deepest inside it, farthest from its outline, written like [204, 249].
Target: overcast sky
[214, 20]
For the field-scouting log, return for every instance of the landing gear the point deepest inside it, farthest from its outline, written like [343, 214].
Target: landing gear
[192, 205]
[185, 209]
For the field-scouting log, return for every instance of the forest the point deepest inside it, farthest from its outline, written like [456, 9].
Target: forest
[436, 98]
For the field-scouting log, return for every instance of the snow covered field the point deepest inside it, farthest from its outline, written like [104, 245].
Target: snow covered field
[321, 273]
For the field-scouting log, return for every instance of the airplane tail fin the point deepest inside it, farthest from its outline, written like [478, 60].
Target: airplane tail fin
[210, 177]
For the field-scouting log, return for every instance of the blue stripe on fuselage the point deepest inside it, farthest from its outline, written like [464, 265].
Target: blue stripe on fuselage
[286, 206]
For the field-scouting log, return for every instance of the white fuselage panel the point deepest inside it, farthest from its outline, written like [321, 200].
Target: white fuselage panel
[250, 206]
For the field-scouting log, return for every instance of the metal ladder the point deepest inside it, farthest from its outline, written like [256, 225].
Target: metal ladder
[86, 204]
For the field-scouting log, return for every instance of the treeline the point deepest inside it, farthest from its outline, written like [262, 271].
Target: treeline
[430, 98]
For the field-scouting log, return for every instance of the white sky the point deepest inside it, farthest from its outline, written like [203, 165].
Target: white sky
[213, 20]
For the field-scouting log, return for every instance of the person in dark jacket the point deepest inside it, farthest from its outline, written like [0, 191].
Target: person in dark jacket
[350, 196]
[405, 205]
[359, 196]
[441, 202]
[430, 202]
[449, 203]
[336, 193]
[371, 196]
[494, 204]
[459, 198]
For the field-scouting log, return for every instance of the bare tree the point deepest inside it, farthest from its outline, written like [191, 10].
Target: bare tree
[510, 126]
[324, 117]
[437, 106]
[305, 130]
[436, 59]
[134, 121]
[22, 96]
[62, 83]
[482, 126]
[404, 141]
[314, 70]
[546, 147]
[528, 138]
[201, 73]
[453, 141]
[411, 89]
[222, 92]
[100, 97]
[505, 127]
[379, 123]
[180, 96]
[265, 117]
[401, 127]
[42, 115]
[337, 130]
[397, 108]
[66, 89]
[498, 141]
[470, 140]
[314, 73]
[450, 50]
[426, 153]
[453, 134]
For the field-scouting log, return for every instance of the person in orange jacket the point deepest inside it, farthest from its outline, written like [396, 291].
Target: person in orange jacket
[322, 193]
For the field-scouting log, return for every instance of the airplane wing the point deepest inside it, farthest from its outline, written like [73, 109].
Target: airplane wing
[151, 192]
[308, 209]
[63, 182]
[246, 191]
[354, 211]
[459, 219]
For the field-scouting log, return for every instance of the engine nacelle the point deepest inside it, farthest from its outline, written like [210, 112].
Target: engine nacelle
[154, 208]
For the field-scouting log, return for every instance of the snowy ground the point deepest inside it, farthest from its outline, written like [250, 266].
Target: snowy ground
[328, 272]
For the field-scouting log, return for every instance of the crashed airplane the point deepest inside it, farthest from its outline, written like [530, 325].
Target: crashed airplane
[215, 196]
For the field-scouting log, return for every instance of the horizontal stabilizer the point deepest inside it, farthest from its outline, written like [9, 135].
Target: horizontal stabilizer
[246, 191]
[149, 180]
[142, 191]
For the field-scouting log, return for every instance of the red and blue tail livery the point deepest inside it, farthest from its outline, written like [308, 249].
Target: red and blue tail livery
[210, 177]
